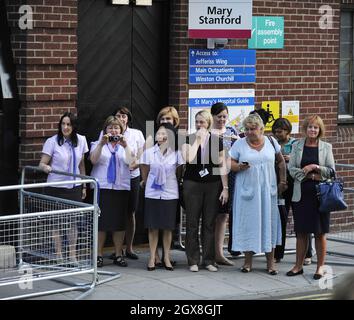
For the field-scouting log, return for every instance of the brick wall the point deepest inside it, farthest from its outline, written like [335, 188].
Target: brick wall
[45, 58]
[306, 69]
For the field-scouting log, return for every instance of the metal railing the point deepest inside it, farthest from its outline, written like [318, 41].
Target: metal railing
[344, 231]
[50, 239]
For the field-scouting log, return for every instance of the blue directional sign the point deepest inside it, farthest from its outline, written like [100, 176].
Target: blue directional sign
[222, 66]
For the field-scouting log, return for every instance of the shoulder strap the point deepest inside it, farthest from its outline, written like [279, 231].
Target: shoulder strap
[272, 142]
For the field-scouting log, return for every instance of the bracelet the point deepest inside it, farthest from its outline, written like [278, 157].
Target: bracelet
[283, 182]
[226, 188]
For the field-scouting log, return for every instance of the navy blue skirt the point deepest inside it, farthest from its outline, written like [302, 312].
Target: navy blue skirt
[160, 214]
[307, 217]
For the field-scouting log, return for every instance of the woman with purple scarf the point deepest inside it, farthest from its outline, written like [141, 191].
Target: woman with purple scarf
[111, 157]
[158, 166]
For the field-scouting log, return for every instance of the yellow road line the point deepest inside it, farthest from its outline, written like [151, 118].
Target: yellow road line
[320, 296]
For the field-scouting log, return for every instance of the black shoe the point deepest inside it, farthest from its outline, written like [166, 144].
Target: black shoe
[292, 273]
[173, 262]
[99, 262]
[119, 261]
[272, 272]
[235, 253]
[131, 255]
[317, 276]
[245, 270]
[168, 268]
[150, 268]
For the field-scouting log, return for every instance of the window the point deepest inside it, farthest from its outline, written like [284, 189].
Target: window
[346, 84]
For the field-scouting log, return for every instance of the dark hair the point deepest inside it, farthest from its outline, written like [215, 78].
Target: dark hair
[282, 123]
[73, 135]
[169, 126]
[123, 110]
[218, 107]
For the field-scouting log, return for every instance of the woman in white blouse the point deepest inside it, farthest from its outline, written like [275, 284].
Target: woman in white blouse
[65, 152]
[158, 166]
[111, 157]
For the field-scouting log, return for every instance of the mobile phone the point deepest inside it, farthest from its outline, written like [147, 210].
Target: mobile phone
[287, 149]
[245, 162]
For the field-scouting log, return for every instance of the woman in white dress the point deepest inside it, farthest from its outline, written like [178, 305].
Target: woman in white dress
[256, 220]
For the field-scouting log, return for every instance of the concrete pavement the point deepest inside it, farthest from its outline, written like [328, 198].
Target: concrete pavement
[229, 283]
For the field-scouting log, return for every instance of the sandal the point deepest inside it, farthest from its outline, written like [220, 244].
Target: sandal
[272, 272]
[119, 261]
[246, 269]
[99, 261]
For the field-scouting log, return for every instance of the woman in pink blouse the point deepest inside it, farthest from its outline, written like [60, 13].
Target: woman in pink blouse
[65, 152]
[158, 166]
[111, 157]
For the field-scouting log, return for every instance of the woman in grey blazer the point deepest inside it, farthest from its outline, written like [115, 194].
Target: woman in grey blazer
[310, 162]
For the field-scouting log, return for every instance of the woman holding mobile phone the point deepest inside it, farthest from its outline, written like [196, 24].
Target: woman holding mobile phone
[256, 221]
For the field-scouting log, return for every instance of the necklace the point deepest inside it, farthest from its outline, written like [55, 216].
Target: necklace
[311, 143]
[255, 145]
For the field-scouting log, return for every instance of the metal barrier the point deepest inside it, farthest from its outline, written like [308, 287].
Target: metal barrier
[51, 238]
[345, 232]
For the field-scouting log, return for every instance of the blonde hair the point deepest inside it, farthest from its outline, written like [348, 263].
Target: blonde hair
[317, 120]
[112, 120]
[207, 116]
[253, 119]
[169, 110]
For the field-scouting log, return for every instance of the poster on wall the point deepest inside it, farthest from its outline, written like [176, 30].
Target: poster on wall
[240, 103]
[273, 108]
[291, 111]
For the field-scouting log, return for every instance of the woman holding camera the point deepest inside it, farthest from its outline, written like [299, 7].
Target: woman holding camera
[111, 157]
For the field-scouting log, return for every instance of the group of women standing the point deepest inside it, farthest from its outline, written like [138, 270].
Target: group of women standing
[260, 174]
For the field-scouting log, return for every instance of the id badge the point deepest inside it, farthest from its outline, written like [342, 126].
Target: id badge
[203, 172]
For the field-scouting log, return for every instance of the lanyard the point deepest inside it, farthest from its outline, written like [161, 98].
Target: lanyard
[203, 148]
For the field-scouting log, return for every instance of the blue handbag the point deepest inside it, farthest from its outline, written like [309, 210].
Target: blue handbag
[330, 194]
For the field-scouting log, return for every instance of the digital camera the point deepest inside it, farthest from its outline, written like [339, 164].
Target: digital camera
[114, 138]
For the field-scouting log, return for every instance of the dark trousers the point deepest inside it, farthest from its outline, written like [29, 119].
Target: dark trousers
[201, 200]
[284, 212]
[279, 249]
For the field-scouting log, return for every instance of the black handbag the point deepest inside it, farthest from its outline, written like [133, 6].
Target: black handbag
[330, 194]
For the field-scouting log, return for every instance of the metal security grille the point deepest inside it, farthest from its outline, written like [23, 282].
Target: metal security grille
[49, 239]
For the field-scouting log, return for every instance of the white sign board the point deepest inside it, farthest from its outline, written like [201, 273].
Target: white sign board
[220, 19]
[240, 102]
[291, 111]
